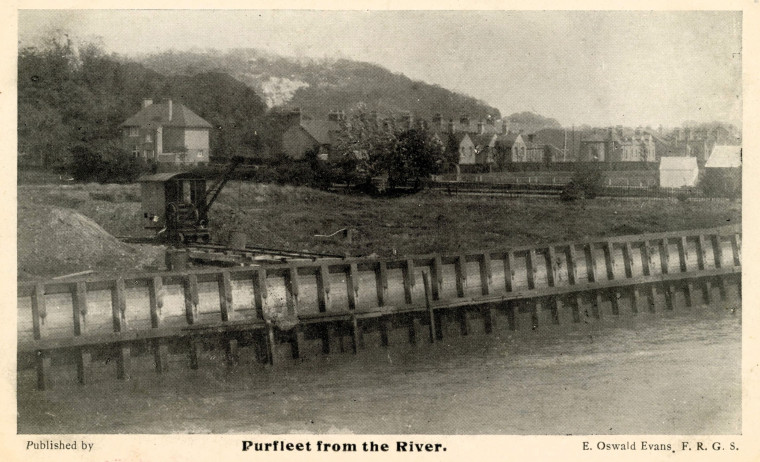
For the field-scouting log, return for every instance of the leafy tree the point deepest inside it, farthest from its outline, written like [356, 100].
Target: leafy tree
[400, 155]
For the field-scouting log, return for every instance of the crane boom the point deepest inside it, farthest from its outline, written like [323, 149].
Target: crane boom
[213, 192]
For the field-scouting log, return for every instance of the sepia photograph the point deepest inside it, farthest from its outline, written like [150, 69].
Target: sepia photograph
[378, 222]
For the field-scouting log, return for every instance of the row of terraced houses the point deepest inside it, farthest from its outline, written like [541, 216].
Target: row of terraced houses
[170, 132]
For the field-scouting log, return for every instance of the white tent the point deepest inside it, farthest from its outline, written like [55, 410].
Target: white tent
[676, 172]
[725, 157]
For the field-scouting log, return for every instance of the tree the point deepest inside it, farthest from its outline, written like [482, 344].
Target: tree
[403, 156]
[587, 183]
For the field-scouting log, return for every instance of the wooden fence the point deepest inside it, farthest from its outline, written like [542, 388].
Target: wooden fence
[351, 304]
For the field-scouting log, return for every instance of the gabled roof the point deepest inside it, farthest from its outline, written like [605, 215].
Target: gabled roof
[678, 163]
[725, 157]
[320, 130]
[488, 140]
[158, 114]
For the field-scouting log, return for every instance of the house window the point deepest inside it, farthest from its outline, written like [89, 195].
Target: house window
[135, 152]
[148, 138]
[134, 131]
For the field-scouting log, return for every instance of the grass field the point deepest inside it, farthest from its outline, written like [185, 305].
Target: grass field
[289, 217]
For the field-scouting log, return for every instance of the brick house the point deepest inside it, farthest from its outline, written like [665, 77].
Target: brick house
[304, 135]
[167, 132]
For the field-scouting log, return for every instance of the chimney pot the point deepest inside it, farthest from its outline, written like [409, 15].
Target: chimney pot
[171, 110]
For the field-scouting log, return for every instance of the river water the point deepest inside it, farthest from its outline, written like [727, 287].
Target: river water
[678, 375]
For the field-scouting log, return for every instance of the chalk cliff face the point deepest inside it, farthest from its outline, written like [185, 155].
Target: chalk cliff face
[317, 85]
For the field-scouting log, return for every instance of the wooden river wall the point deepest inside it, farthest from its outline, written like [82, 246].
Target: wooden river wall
[323, 307]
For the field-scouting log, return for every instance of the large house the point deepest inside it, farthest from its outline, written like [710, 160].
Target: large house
[167, 132]
[510, 147]
[617, 146]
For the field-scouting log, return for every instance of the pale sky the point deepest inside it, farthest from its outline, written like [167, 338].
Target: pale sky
[599, 68]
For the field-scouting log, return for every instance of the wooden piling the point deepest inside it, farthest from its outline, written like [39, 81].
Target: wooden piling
[83, 357]
[530, 268]
[156, 302]
[352, 286]
[736, 247]
[489, 319]
[485, 273]
[298, 344]
[123, 351]
[628, 259]
[323, 288]
[225, 296]
[572, 262]
[461, 274]
[702, 252]
[385, 330]
[429, 307]
[191, 298]
[509, 271]
[551, 266]
[42, 365]
[259, 291]
[609, 260]
[591, 272]
[683, 254]
[381, 275]
[436, 277]
[356, 333]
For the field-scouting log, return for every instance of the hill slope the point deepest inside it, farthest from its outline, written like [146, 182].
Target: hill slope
[316, 86]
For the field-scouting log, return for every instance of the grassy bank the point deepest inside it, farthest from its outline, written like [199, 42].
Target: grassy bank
[290, 217]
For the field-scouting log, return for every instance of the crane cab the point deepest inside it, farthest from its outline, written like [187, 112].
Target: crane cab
[174, 205]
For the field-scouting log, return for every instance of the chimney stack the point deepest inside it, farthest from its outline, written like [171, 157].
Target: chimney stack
[465, 121]
[146, 103]
[451, 125]
[294, 118]
[171, 110]
[481, 127]
[504, 127]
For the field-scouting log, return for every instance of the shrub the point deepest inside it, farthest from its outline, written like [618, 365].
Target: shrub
[110, 164]
[587, 183]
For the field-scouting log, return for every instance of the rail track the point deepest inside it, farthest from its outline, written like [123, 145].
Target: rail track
[301, 309]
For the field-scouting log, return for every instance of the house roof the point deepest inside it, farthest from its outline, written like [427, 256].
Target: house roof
[320, 130]
[725, 157]
[484, 140]
[507, 139]
[158, 114]
[678, 163]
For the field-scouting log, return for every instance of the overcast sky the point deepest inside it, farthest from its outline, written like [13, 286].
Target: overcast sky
[600, 68]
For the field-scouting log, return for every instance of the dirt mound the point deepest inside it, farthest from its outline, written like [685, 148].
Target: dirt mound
[55, 240]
